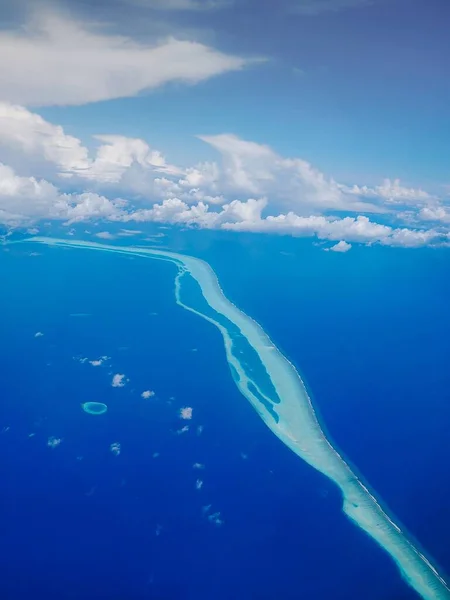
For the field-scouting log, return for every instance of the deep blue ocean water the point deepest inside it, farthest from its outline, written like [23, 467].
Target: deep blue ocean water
[369, 331]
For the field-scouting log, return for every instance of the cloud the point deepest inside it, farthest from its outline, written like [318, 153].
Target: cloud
[352, 229]
[246, 217]
[178, 212]
[82, 207]
[438, 212]
[58, 61]
[185, 413]
[117, 154]
[26, 195]
[340, 247]
[27, 199]
[131, 166]
[317, 7]
[105, 235]
[391, 192]
[115, 448]
[250, 188]
[250, 168]
[24, 133]
[118, 380]
[98, 362]
[27, 132]
[129, 232]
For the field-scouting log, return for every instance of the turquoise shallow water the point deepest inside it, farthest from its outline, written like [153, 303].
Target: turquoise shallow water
[271, 509]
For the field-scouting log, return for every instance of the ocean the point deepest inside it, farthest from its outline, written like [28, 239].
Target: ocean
[222, 510]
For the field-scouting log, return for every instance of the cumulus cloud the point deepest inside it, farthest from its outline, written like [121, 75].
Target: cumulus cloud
[251, 188]
[246, 217]
[250, 168]
[391, 192]
[98, 362]
[353, 229]
[27, 132]
[117, 154]
[341, 246]
[179, 212]
[118, 380]
[438, 212]
[186, 413]
[26, 195]
[131, 166]
[27, 199]
[82, 207]
[58, 61]
[26, 137]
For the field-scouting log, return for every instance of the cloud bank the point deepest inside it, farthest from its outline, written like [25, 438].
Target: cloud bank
[249, 188]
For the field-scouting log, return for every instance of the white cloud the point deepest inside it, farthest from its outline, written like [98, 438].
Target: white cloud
[118, 154]
[129, 232]
[179, 212]
[131, 166]
[250, 168]
[438, 212]
[251, 189]
[246, 217]
[27, 132]
[105, 235]
[340, 247]
[57, 61]
[26, 195]
[81, 207]
[27, 137]
[391, 192]
[118, 380]
[353, 229]
[247, 166]
[185, 413]
[27, 199]
[99, 361]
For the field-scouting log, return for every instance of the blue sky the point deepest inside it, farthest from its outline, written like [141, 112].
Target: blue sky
[323, 109]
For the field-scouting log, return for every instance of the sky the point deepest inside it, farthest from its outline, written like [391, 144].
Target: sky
[327, 119]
